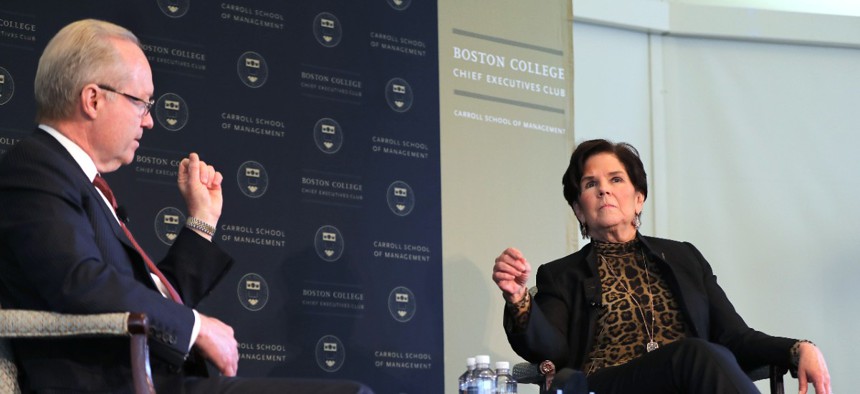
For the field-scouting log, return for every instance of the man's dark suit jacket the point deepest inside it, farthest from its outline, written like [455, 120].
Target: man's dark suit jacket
[563, 318]
[62, 250]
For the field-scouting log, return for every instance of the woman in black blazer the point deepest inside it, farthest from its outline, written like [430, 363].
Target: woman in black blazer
[637, 314]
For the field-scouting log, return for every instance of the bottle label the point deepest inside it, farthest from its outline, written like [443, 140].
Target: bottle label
[486, 387]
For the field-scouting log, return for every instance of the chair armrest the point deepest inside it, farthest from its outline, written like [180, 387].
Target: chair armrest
[776, 383]
[17, 323]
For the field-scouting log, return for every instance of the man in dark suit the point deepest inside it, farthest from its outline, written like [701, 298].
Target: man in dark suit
[64, 247]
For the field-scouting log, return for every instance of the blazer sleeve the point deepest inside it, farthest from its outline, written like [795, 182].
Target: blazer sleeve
[545, 335]
[194, 265]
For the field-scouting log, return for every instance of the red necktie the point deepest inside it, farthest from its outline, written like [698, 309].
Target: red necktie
[102, 185]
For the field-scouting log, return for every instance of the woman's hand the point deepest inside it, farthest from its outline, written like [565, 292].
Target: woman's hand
[511, 273]
[811, 368]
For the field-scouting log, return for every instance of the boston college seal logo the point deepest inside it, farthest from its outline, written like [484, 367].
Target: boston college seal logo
[330, 353]
[171, 111]
[253, 292]
[327, 30]
[174, 8]
[7, 86]
[252, 179]
[253, 69]
[329, 243]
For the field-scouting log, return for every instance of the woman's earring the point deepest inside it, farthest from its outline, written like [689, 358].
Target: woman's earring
[583, 229]
[637, 221]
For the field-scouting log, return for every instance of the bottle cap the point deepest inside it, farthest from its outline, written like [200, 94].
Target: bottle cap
[470, 361]
[502, 365]
[483, 359]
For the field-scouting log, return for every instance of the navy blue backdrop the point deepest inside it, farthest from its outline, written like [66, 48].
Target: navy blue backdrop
[323, 117]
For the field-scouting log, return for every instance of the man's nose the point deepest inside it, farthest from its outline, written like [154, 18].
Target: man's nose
[147, 122]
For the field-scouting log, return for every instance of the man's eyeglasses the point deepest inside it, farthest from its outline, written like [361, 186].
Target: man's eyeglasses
[147, 105]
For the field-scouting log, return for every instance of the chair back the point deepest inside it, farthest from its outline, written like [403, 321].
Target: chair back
[8, 369]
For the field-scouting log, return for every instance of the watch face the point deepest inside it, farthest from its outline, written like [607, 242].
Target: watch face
[547, 367]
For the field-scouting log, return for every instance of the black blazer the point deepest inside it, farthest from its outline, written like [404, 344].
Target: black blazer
[62, 250]
[562, 323]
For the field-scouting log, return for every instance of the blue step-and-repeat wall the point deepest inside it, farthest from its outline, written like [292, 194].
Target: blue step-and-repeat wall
[323, 117]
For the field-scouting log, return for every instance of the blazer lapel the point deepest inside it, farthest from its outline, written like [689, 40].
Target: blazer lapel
[87, 184]
[682, 284]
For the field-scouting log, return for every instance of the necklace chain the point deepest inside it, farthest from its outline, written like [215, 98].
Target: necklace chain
[652, 332]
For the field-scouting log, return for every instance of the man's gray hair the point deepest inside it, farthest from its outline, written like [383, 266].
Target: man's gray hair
[80, 53]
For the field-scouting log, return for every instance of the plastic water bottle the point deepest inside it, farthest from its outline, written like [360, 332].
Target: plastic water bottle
[472, 380]
[466, 379]
[484, 376]
[505, 383]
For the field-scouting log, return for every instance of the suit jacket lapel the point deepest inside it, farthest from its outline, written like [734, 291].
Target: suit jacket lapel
[87, 185]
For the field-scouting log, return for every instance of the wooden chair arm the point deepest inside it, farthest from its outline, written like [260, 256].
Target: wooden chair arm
[17, 323]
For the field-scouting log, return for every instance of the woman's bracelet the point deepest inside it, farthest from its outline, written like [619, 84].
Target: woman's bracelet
[520, 305]
[523, 302]
[795, 351]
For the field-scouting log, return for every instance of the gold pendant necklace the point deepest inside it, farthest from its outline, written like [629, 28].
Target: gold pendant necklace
[652, 344]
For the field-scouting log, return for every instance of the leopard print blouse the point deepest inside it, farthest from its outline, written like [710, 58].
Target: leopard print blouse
[621, 334]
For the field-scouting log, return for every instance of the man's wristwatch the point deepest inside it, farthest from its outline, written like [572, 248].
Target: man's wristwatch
[197, 224]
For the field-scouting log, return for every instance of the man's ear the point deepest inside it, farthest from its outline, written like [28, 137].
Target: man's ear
[90, 101]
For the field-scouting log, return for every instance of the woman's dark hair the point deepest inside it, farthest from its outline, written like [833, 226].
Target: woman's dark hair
[626, 154]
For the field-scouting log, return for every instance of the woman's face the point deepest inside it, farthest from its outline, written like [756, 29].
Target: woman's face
[608, 203]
